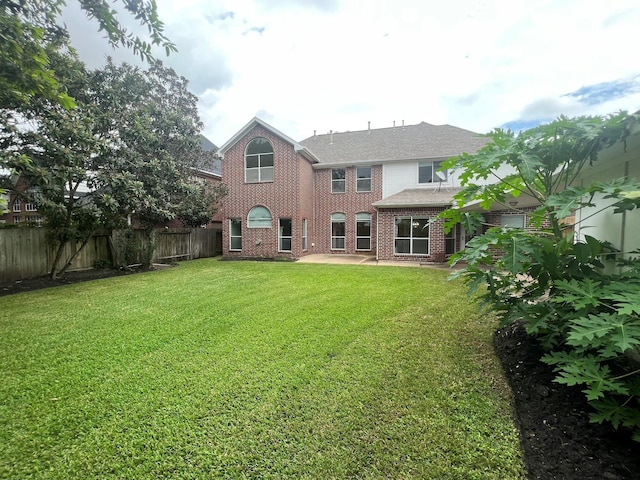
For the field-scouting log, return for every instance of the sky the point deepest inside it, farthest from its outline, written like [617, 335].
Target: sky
[335, 65]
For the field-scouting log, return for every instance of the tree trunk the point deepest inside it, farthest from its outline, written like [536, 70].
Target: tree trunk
[53, 274]
[75, 254]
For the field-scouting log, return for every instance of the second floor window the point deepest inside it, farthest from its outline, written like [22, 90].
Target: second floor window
[17, 205]
[338, 182]
[428, 172]
[363, 175]
[258, 161]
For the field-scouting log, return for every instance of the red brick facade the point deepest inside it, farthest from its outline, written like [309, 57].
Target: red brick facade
[303, 190]
[386, 229]
[350, 203]
[19, 210]
[288, 196]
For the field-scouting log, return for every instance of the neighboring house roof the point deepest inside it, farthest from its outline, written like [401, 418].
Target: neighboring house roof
[214, 167]
[419, 197]
[207, 144]
[408, 142]
[256, 121]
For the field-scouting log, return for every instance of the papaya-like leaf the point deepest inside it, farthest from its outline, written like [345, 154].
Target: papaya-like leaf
[580, 293]
[566, 202]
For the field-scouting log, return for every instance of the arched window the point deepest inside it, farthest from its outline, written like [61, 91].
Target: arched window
[338, 231]
[259, 217]
[258, 159]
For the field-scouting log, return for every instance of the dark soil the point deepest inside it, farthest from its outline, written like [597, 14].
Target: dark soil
[69, 278]
[557, 439]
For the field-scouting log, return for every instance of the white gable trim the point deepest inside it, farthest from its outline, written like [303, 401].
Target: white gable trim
[256, 121]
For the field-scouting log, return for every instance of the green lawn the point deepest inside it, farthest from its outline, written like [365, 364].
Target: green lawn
[254, 370]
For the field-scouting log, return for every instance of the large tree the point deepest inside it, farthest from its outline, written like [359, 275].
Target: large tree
[154, 130]
[30, 30]
[61, 156]
[128, 148]
[586, 318]
[31, 34]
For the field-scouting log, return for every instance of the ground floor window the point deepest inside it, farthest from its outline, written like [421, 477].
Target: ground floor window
[304, 234]
[450, 241]
[363, 231]
[235, 234]
[338, 231]
[284, 235]
[259, 217]
[512, 221]
[411, 236]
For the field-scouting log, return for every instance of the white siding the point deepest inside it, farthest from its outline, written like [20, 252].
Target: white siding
[622, 230]
[399, 176]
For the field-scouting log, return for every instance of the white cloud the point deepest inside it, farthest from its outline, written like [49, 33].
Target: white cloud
[335, 65]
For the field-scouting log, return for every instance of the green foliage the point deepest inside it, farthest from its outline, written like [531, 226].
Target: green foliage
[200, 202]
[129, 147]
[30, 32]
[586, 318]
[154, 132]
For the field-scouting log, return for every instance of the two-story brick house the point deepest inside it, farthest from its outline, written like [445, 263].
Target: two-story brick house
[372, 192]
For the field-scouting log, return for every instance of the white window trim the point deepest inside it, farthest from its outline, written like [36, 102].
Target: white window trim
[452, 235]
[521, 216]
[259, 168]
[358, 237]
[370, 178]
[231, 249]
[261, 219]
[17, 205]
[433, 172]
[281, 237]
[343, 237]
[305, 238]
[410, 238]
[343, 181]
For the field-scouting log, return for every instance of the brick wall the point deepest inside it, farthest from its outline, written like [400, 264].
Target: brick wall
[17, 207]
[285, 197]
[350, 203]
[386, 226]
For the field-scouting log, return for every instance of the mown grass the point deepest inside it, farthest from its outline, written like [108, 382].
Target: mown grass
[253, 370]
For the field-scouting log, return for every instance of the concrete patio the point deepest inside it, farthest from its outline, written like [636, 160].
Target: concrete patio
[363, 260]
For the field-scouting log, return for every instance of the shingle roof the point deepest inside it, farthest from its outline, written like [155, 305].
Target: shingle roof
[395, 143]
[215, 166]
[419, 197]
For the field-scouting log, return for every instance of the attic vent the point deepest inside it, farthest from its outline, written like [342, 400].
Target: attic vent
[331, 137]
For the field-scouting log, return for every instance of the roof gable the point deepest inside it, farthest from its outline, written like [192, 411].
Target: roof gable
[255, 121]
[394, 143]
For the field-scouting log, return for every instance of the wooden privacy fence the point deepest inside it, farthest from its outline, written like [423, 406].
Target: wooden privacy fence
[25, 253]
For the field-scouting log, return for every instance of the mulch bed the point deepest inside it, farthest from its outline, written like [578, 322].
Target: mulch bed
[73, 277]
[557, 439]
